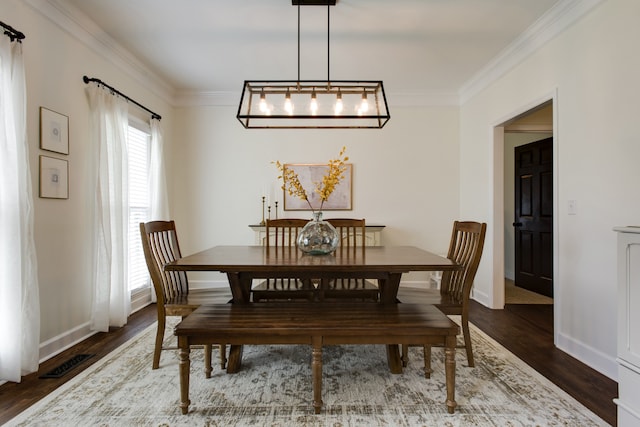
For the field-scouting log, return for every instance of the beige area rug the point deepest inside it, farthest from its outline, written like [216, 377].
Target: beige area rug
[274, 389]
[516, 295]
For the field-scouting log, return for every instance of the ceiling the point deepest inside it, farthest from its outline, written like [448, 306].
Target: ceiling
[415, 46]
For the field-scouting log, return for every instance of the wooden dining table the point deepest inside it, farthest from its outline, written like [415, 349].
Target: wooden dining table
[243, 264]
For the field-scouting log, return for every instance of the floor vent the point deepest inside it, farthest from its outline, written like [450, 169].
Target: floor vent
[67, 366]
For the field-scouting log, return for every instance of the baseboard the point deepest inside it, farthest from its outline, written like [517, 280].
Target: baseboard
[591, 357]
[62, 342]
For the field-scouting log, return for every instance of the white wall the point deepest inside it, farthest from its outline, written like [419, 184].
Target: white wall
[55, 63]
[405, 175]
[594, 69]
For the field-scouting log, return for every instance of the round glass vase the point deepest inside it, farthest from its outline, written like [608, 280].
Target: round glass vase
[318, 237]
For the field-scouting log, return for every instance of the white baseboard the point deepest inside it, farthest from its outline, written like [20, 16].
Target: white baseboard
[591, 357]
[60, 343]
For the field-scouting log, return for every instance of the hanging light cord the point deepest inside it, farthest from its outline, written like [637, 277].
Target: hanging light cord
[328, 33]
[298, 42]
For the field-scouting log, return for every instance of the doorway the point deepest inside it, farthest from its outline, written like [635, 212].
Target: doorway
[534, 124]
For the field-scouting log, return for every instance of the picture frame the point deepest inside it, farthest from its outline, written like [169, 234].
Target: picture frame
[54, 178]
[54, 131]
[308, 174]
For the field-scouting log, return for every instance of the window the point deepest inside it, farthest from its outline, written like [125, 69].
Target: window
[139, 204]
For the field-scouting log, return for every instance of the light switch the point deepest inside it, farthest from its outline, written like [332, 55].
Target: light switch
[572, 207]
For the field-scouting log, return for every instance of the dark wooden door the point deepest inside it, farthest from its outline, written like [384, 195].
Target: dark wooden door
[534, 216]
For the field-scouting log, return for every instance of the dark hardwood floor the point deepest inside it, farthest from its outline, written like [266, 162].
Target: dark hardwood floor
[526, 330]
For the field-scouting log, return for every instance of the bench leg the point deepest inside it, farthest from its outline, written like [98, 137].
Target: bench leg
[450, 372]
[316, 370]
[207, 361]
[427, 361]
[184, 367]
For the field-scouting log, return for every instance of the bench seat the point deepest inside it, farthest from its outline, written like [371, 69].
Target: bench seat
[317, 324]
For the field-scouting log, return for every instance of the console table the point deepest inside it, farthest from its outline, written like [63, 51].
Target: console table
[372, 234]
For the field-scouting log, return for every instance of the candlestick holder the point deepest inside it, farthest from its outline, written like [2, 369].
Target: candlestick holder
[276, 209]
[262, 222]
[269, 211]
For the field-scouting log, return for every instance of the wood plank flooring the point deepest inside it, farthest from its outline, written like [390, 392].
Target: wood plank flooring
[526, 330]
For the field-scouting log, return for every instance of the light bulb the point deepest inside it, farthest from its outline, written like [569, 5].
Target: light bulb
[263, 104]
[288, 105]
[314, 104]
[339, 106]
[364, 105]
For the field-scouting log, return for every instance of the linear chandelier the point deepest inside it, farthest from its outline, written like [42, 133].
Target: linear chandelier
[313, 104]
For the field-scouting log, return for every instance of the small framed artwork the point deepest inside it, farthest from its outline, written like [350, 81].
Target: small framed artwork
[309, 175]
[54, 131]
[54, 178]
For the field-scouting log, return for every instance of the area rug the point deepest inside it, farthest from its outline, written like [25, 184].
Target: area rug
[274, 389]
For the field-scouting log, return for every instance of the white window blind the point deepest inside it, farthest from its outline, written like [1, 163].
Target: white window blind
[138, 151]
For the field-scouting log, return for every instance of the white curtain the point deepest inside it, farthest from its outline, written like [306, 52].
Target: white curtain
[19, 295]
[157, 181]
[111, 303]
[157, 177]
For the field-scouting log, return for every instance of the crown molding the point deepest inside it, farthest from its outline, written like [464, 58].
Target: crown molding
[82, 28]
[553, 22]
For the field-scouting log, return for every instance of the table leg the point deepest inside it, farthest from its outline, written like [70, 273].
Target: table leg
[393, 359]
[316, 369]
[184, 367]
[450, 372]
[389, 288]
[388, 295]
[241, 290]
[240, 287]
[235, 359]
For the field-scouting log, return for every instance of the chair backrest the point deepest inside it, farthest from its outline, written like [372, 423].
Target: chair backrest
[283, 232]
[467, 242]
[351, 232]
[160, 245]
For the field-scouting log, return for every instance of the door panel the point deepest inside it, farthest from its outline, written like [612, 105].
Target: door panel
[534, 216]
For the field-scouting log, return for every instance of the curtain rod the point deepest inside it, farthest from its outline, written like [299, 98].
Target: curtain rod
[100, 82]
[12, 32]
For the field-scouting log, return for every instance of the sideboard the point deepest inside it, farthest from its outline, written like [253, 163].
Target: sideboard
[372, 234]
[628, 326]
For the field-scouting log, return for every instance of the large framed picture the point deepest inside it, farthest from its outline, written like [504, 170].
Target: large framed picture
[54, 178]
[54, 131]
[310, 174]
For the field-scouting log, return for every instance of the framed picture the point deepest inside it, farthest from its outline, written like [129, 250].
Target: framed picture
[54, 131]
[309, 175]
[54, 178]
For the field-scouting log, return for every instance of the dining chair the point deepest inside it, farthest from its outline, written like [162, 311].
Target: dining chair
[281, 235]
[352, 234]
[465, 248]
[160, 245]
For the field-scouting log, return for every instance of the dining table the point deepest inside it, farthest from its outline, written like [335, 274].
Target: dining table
[243, 264]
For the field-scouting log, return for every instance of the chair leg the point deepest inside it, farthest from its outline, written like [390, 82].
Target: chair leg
[467, 341]
[159, 340]
[405, 355]
[207, 361]
[223, 356]
[427, 361]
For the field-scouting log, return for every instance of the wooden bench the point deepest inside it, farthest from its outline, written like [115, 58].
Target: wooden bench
[317, 324]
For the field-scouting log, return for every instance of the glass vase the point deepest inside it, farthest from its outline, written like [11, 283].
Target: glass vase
[318, 237]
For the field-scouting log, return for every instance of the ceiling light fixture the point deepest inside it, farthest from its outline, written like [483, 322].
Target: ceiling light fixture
[313, 104]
